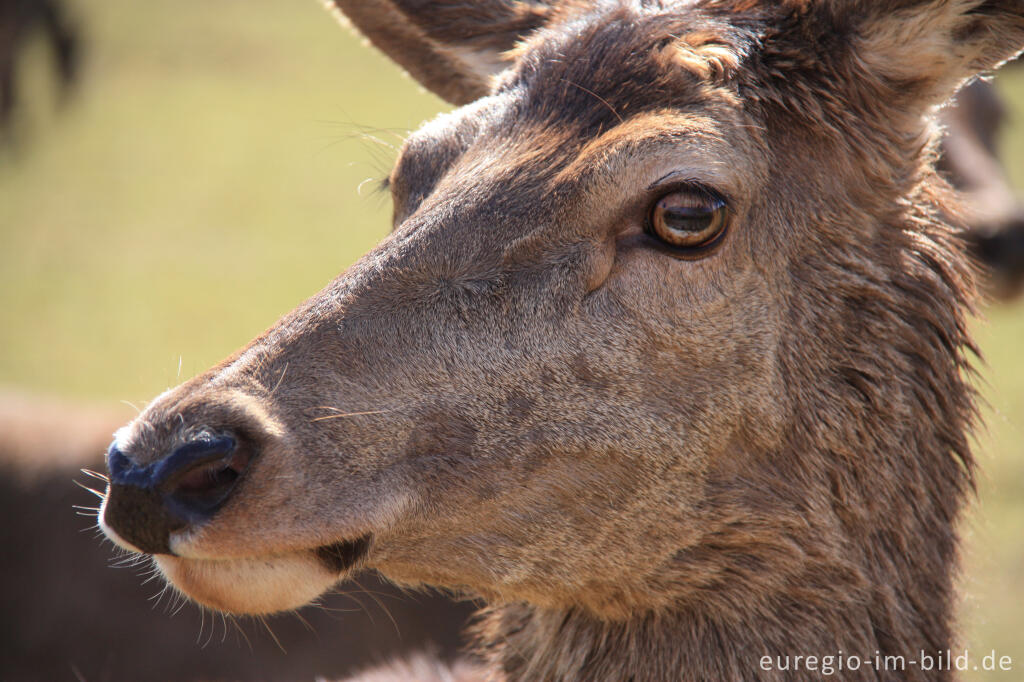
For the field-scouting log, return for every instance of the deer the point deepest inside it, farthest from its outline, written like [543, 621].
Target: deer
[665, 359]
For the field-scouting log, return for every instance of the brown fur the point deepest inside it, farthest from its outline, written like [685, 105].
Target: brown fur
[653, 465]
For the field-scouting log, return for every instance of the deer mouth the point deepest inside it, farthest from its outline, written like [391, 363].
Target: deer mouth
[268, 584]
[343, 556]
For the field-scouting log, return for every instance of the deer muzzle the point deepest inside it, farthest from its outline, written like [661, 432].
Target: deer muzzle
[148, 502]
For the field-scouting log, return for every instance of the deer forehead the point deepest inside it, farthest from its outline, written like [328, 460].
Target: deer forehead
[594, 121]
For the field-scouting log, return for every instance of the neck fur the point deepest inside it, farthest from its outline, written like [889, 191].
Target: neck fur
[755, 640]
[846, 566]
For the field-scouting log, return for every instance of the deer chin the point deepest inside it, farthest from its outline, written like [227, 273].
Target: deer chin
[262, 585]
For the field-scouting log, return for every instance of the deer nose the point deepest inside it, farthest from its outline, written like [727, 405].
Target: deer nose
[147, 502]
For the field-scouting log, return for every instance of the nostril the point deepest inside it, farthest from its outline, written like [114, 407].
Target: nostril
[148, 502]
[201, 475]
[207, 476]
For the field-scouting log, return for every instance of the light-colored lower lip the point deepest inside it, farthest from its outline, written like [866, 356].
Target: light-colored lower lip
[254, 586]
[263, 584]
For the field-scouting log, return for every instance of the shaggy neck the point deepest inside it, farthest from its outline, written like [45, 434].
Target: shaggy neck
[847, 566]
[521, 642]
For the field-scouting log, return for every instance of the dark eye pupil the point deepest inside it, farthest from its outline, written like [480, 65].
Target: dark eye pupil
[688, 218]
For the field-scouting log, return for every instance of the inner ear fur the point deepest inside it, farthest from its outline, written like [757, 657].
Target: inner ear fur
[452, 47]
[929, 48]
[875, 67]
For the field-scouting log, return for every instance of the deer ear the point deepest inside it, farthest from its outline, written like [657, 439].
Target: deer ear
[927, 49]
[452, 47]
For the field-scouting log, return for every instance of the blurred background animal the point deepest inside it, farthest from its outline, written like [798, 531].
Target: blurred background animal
[23, 20]
[975, 122]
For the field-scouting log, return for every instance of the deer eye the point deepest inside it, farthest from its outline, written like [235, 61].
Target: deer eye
[688, 219]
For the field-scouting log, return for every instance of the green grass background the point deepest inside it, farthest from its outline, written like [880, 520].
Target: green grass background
[206, 179]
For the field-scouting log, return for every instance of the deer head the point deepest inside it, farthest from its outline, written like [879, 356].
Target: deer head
[668, 322]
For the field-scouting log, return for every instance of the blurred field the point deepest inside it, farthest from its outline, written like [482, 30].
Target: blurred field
[206, 179]
[204, 182]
